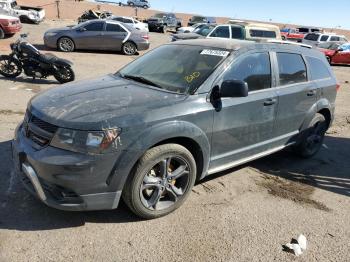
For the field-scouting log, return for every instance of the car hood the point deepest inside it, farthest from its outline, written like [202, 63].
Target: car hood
[61, 29]
[327, 51]
[187, 36]
[100, 103]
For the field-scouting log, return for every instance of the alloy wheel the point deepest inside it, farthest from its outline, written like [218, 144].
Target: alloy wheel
[165, 183]
[66, 45]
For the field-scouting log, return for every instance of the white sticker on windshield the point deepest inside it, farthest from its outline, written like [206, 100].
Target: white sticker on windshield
[215, 52]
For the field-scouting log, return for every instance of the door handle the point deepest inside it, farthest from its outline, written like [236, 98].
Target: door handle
[311, 93]
[270, 102]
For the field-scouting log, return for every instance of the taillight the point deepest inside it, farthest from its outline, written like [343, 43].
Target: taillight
[146, 37]
[337, 87]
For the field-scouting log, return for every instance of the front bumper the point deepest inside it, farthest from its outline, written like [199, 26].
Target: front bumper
[50, 41]
[12, 29]
[155, 26]
[65, 180]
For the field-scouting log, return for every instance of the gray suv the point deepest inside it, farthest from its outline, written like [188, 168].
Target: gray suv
[139, 3]
[147, 133]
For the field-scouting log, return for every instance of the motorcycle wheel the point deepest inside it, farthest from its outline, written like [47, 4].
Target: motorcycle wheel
[10, 67]
[64, 75]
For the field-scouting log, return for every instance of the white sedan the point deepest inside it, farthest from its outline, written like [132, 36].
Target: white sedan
[190, 29]
[132, 22]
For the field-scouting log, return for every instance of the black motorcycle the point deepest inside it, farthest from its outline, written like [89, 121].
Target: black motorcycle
[25, 57]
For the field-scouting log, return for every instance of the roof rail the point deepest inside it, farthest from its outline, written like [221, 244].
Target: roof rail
[275, 41]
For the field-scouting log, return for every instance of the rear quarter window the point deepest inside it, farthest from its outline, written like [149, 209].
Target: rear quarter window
[292, 69]
[318, 68]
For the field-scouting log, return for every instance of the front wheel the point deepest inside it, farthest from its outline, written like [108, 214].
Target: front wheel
[161, 181]
[65, 44]
[64, 75]
[129, 48]
[312, 138]
[10, 67]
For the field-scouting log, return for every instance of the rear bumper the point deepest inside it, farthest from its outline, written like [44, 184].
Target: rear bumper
[65, 180]
[143, 46]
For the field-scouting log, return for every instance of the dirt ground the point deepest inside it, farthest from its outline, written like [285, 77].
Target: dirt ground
[245, 214]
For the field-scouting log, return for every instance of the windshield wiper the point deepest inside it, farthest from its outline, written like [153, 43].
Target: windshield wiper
[141, 79]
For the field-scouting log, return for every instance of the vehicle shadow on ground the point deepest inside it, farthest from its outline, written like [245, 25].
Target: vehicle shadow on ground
[29, 80]
[20, 211]
[79, 51]
[328, 170]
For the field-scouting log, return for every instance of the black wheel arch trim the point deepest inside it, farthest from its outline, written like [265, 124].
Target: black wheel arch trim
[153, 136]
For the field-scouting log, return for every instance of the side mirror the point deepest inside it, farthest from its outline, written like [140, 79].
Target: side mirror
[340, 49]
[234, 88]
[81, 29]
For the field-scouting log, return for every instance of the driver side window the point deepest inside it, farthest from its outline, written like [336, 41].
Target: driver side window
[97, 26]
[254, 69]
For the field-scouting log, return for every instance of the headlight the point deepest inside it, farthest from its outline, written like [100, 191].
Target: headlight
[50, 34]
[91, 142]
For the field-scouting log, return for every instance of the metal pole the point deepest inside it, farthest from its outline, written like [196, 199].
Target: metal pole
[58, 8]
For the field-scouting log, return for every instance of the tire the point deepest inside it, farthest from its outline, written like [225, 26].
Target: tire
[329, 59]
[283, 38]
[129, 48]
[145, 7]
[148, 193]
[10, 67]
[2, 33]
[65, 75]
[65, 44]
[311, 139]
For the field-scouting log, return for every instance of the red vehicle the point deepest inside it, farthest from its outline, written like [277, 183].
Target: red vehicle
[9, 25]
[291, 34]
[337, 53]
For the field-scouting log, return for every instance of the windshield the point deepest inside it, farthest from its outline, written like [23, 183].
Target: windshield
[312, 37]
[198, 19]
[204, 30]
[160, 15]
[175, 68]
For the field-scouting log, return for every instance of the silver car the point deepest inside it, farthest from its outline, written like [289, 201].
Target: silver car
[98, 35]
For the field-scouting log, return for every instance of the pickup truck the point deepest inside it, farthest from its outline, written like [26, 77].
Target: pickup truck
[161, 22]
[9, 25]
[25, 13]
[291, 34]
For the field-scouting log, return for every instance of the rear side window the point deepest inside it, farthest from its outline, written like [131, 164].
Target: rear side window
[318, 69]
[97, 26]
[255, 69]
[262, 33]
[324, 38]
[221, 31]
[312, 37]
[114, 28]
[237, 32]
[292, 68]
[335, 38]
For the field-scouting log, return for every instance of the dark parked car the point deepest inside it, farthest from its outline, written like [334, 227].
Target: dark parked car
[147, 133]
[201, 19]
[200, 32]
[162, 22]
[98, 35]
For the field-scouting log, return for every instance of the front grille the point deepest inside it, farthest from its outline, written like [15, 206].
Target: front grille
[43, 125]
[37, 130]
